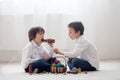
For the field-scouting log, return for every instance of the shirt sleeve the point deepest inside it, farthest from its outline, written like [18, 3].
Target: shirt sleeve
[79, 48]
[48, 53]
[27, 55]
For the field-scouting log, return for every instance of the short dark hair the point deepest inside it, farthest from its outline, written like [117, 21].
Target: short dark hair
[77, 26]
[33, 31]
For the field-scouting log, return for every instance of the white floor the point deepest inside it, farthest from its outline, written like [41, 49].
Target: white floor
[109, 70]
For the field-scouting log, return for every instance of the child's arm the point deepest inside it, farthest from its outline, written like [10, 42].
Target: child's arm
[48, 53]
[75, 52]
[57, 51]
[51, 49]
[26, 55]
[79, 48]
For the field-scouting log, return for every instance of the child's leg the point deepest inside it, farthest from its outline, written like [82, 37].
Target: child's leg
[70, 65]
[51, 60]
[83, 64]
[41, 65]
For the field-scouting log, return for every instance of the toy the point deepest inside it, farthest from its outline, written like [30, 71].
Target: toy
[79, 70]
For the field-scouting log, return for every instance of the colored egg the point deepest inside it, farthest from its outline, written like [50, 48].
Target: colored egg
[57, 61]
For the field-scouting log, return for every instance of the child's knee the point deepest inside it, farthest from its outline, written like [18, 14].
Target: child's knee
[75, 62]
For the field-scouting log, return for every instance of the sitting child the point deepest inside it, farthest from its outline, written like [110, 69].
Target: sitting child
[84, 55]
[35, 53]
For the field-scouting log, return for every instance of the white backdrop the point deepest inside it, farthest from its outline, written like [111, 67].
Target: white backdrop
[101, 19]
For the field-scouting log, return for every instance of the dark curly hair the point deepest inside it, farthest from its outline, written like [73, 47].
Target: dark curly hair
[77, 26]
[33, 31]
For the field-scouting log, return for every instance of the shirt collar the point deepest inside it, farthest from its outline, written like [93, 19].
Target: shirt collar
[79, 38]
[34, 44]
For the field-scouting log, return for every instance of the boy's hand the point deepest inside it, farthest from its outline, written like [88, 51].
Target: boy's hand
[50, 44]
[58, 51]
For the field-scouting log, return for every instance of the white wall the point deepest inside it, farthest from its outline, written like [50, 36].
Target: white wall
[105, 20]
[101, 19]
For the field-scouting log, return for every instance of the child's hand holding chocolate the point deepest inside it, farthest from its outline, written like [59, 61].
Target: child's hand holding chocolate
[57, 51]
[49, 41]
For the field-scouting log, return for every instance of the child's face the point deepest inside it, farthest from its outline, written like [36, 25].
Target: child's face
[73, 35]
[39, 37]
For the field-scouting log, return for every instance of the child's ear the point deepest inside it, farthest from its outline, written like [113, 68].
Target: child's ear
[78, 32]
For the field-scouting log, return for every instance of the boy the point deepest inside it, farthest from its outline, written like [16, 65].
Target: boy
[84, 54]
[35, 53]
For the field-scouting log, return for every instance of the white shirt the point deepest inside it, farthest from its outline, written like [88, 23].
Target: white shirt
[33, 52]
[84, 50]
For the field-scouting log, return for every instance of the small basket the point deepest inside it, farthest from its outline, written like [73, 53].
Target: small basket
[62, 69]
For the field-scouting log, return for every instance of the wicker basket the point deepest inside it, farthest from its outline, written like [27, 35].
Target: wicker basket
[62, 69]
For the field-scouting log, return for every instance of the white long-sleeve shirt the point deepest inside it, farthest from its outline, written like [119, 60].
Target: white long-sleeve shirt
[33, 52]
[84, 50]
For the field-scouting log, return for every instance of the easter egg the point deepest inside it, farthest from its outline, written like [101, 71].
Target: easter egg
[59, 64]
[57, 61]
[53, 65]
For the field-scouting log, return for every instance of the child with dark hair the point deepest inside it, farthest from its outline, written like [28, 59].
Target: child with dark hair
[35, 53]
[84, 54]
